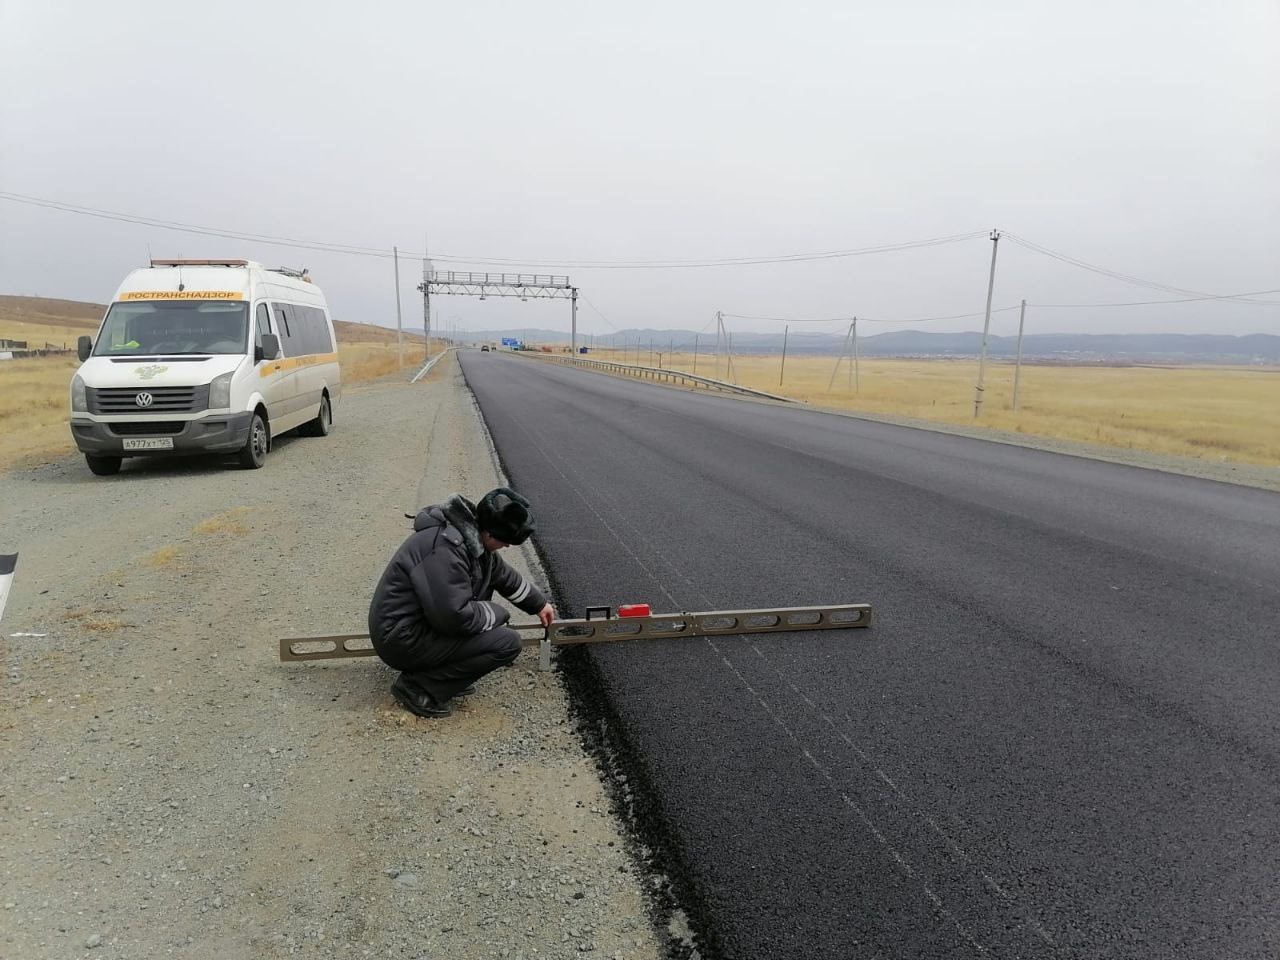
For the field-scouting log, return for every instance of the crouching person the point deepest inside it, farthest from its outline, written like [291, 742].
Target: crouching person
[432, 617]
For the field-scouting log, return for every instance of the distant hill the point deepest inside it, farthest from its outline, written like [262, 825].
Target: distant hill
[1259, 348]
[74, 317]
[50, 313]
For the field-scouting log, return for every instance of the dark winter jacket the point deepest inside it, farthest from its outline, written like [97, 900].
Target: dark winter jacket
[439, 584]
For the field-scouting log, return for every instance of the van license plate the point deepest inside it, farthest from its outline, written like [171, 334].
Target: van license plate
[148, 443]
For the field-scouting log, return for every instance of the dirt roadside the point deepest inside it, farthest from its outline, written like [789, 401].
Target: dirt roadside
[170, 789]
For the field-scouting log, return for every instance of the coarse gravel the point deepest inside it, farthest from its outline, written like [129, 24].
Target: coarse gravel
[171, 790]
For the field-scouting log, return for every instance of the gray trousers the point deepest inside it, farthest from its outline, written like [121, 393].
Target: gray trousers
[444, 665]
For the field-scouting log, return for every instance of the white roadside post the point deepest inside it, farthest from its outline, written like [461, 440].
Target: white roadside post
[7, 564]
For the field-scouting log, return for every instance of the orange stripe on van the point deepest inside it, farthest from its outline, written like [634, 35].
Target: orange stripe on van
[294, 363]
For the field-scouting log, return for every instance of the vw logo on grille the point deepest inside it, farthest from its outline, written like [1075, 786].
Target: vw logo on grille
[144, 399]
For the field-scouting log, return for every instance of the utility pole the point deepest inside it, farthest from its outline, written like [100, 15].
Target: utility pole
[857, 384]
[695, 354]
[783, 369]
[719, 337]
[844, 348]
[1017, 368]
[986, 326]
[395, 256]
[573, 344]
[426, 302]
[426, 298]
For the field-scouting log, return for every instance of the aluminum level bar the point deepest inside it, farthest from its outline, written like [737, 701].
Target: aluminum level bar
[601, 626]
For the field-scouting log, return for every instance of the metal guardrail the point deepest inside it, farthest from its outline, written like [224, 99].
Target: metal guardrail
[652, 373]
[426, 367]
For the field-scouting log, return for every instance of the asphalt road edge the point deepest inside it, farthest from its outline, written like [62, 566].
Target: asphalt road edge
[676, 909]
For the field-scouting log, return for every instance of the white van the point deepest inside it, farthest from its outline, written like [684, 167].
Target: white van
[205, 356]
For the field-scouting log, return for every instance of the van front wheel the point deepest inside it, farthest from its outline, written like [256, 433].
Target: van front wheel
[254, 452]
[103, 466]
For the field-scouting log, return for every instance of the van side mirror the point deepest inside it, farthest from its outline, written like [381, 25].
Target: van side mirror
[270, 346]
[84, 347]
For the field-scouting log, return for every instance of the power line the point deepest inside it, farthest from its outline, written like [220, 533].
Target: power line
[204, 231]
[607, 321]
[670, 264]
[1235, 297]
[1113, 274]
[366, 251]
[861, 318]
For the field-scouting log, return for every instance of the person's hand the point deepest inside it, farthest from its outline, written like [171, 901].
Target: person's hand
[547, 614]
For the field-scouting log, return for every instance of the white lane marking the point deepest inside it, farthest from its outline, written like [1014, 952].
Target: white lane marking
[893, 852]
[907, 802]
[534, 438]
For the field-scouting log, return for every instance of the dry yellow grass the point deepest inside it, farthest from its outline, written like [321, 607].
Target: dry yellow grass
[34, 393]
[97, 620]
[227, 523]
[34, 400]
[162, 557]
[1209, 413]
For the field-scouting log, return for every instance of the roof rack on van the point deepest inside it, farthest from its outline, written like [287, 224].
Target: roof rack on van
[302, 274]
[199, 263]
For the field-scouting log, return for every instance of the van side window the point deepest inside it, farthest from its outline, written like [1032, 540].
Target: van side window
[324, 340]
[286, 335]
[303, 330]
[263, 323]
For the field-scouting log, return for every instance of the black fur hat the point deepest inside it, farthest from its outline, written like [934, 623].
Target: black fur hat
[505, 514]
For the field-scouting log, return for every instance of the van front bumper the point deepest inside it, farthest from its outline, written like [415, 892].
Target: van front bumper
[222, 433]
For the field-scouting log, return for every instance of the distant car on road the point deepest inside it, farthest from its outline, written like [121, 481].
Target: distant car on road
[484, 348]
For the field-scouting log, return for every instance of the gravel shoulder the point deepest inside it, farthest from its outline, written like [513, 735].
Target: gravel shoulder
[171, 789]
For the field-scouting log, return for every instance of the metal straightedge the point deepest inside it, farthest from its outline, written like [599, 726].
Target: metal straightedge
[601, 626]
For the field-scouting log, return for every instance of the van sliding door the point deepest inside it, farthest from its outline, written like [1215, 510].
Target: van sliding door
[289, 330]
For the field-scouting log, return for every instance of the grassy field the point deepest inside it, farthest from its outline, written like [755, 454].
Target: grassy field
[1229, 414]
[34, 392]
[1210, 413]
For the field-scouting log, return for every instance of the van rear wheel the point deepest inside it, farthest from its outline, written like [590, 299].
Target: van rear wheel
[254, 452]
[103, 466]
[322, 424]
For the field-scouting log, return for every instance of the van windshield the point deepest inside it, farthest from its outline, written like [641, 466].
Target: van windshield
[149, 327]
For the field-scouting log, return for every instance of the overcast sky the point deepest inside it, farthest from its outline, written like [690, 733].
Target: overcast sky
[1138, 136]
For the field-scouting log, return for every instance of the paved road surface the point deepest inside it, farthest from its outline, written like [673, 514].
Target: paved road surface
[1060, 738]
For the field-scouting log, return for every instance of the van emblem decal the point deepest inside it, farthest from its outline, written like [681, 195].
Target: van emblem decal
[143, 399]
[151, 370]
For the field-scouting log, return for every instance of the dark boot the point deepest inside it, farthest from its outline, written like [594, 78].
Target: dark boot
[416, 700]
[415, 684]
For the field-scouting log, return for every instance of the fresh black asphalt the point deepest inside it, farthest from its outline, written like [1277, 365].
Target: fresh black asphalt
[1060, 738]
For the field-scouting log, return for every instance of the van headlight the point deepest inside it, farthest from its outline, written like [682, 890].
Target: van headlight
[220, 391]
[79, 396]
